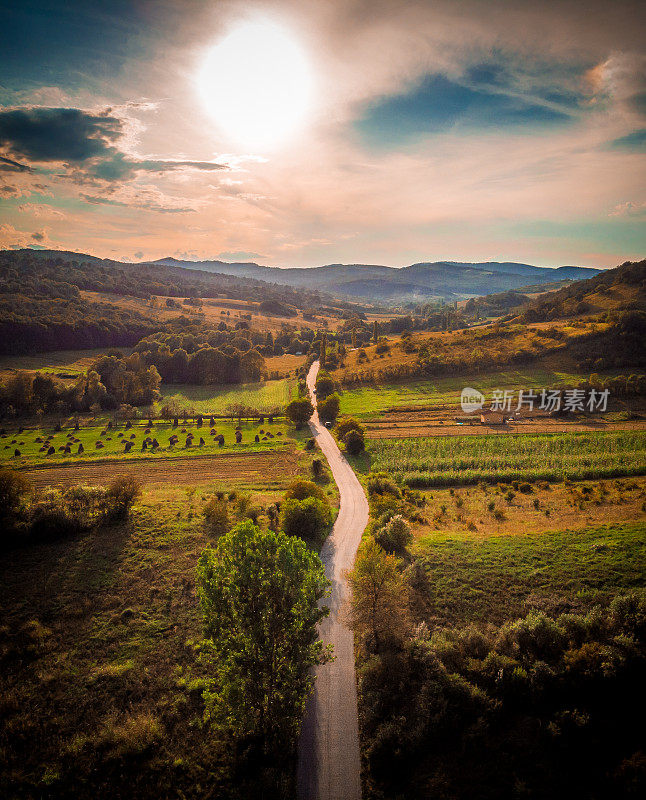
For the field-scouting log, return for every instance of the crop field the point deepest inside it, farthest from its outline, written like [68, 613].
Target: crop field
[447, 460]
[61, 362]
[30, 442]
[370, 400]
[264, 396]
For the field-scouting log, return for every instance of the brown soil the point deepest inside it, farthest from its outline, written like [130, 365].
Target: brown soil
[253, 467]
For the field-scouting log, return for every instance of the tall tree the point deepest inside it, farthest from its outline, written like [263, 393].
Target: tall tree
[260, 592]
[377, 607]
[322, 354]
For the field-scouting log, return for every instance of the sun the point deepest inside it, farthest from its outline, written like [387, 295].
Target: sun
[257, 85]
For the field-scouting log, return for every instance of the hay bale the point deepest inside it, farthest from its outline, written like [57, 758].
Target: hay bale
[51, 451]
[81, 449]
[16, 453]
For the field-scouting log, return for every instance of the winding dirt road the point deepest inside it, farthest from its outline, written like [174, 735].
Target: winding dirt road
[328, 753]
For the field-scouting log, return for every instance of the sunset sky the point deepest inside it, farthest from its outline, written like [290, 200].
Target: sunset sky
[303, 133]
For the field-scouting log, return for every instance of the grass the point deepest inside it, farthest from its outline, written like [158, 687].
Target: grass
[370, 400]
[114, 446]
[265, 396]
[100, 685]
[444, 460]
[491, 579]
[531, 508]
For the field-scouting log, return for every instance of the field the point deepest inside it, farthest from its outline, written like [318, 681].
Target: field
[265, 396]
[100, 691]
[443, 461]
[375, 399]
[113, 440]
[61, 362]
[492, 579]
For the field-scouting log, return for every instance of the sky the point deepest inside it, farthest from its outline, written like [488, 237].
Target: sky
[299, 133]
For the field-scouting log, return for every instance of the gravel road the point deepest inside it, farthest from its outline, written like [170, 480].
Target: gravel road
[328, 754]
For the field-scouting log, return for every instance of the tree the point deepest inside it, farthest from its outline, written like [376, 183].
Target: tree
[354, 442]
[322, 353]
[346, 425]
[395, 535]
[324, 385]
[329, 408]
[306, 519]
[299, 411]
[13, 486]
[377, 611]
[259, 592]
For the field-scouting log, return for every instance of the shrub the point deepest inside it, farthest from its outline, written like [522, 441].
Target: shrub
[13, 487]
[121, 494]
[329, 408]
[347, 424]
[307, 519]
[354, 443]
[395, 535]
[317, 468]
[216, 515]
[382, 483]
[301, 489]
[299, 411]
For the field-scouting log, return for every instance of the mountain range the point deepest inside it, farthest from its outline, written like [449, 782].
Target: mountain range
[450, 280]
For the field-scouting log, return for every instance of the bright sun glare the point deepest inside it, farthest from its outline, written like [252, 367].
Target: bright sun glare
[256, 83]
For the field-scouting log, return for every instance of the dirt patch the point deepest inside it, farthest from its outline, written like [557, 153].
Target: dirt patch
[253, 467]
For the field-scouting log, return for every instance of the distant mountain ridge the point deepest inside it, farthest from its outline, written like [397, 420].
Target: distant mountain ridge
[450, 280]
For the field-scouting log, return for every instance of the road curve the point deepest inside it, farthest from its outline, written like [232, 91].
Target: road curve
[328, 752]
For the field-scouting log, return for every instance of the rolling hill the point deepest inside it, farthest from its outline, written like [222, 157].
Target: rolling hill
[449, 280]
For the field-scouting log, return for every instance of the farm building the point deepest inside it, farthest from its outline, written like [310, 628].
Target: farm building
[492, 418]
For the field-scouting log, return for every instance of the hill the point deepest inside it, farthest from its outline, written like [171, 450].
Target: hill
[449, 280]
[619, 289]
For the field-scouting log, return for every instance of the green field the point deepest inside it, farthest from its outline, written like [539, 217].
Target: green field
[265, 396]
[495, 578]
[370, 400]
[446, 460]
[114, 446]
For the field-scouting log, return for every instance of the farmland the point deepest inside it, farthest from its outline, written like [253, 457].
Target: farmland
[442, 461]
[371, 400]
[266, 396]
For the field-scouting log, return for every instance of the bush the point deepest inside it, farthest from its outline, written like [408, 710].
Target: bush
[354, 443]
[395, 535]
[382, 483]
[307, 519]
[300, 490]
[216, 515]
[329, 408]
[346, 425]
[299, 411]
[121, 495]
[317, 468]
[13, 487]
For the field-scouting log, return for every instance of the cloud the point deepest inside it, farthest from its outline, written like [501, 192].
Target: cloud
[13, 239]
[40, 210]
[69, 135]
[9, 165]
[89, 144]
[635, 141]
[237, 255]
[629, 209]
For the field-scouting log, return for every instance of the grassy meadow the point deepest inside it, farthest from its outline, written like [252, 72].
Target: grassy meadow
[31, 440]
[265, 396]
[491, 579]
[100, 687]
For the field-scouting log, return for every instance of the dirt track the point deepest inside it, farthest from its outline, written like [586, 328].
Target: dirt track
[255, 467]
[328, 753]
